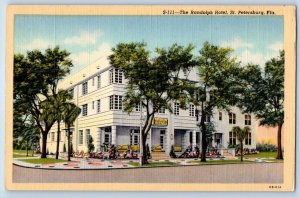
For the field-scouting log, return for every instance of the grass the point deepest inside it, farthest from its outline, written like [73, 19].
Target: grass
[220, 162]
[262, 155]
[43, 161]
[22, 151]
[153, 164]
[15, 155]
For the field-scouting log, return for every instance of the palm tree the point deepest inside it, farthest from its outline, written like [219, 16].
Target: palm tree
[70, 113]
[241, 135]
[55, 104]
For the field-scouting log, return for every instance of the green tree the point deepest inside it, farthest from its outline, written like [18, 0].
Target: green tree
[263, 94]
[36, 76]
[91, 145]
[241, 135]
[70, 113]
[54, 105]
[217, 73]
[31, 135]
[153, 82]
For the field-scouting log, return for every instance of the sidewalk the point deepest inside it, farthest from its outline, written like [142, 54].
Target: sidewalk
[90, 163]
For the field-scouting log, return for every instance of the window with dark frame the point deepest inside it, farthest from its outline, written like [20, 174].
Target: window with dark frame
[247, 119]
[192, 110]
[98, 82]
[232, 118]
[84, 88]
[220, 116]
[248, 139]
[98, 106]
[232, 138]
[84, 110]
[116, 76]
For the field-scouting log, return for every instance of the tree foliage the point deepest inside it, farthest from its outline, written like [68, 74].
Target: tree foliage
[263, 94]
[36, 76]
[153, 81]
[217, 88]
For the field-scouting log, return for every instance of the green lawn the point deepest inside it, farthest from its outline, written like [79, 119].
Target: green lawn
[22, 151]
[22, 155]
[153, 164]
[262, 155]
[43, 161]
[220, 162]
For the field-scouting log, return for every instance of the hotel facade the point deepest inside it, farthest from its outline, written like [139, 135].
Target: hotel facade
[98, 90]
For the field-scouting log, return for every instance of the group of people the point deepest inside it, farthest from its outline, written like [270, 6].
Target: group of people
[113, 154]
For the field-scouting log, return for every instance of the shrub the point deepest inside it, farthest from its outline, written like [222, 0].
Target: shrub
[64, 148]
[172, 153]
[148, 152]
[266, 147]
[91, 145]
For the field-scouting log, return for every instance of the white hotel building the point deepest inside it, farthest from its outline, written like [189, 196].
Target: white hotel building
[98, 90]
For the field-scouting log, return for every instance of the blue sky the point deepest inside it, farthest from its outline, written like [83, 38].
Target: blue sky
[255, 39]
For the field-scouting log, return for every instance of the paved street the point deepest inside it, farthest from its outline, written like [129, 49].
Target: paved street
[225, 173]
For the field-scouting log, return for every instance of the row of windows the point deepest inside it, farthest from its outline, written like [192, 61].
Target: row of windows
[116, 103]
[232, 138]
[116, 76]
[52, 136]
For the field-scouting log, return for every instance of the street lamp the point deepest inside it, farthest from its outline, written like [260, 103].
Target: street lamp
[141, 123]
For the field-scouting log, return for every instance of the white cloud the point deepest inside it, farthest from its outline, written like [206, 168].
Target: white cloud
[85, 58]
[84, 38]
[252, 57]
[276, 46]
[236, 43]
[38, 43]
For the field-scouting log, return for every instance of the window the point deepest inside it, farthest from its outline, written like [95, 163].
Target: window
[52, 136]
[232, 138]
[134, 137]
[176, 108]
[84, 110]
[162, 110]
[192, 110]
[93, 104]
[98, 82]
[93, 82]
[84, 88]
[247, 119]
[71, 92]
[80, 136]
[116, 76]
[248, 139]
[115, 102]
[59, 134]
[98, 106]
[220, 115]
[232, 118]
[137, 107]
[207, 118]
[107, 135]
[87, 136]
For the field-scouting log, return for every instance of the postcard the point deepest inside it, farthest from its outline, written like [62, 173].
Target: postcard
[150, 98]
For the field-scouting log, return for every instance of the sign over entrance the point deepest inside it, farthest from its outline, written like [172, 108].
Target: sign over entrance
[160, 121]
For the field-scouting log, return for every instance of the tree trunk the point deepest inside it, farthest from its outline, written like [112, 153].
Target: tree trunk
[203, 141]
[44, 147]
[279, 149]
[242, 150]
[26, 148]
[57, 144]
[144, 153]
[69, 145]
[32, 150]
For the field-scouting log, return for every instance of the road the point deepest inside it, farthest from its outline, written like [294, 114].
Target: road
[225, 173]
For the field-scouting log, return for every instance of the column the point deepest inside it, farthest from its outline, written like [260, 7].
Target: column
[114, 134]
[194, 138]
[98, 141]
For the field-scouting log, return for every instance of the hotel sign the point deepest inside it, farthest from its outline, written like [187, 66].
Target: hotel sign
[160, 121]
